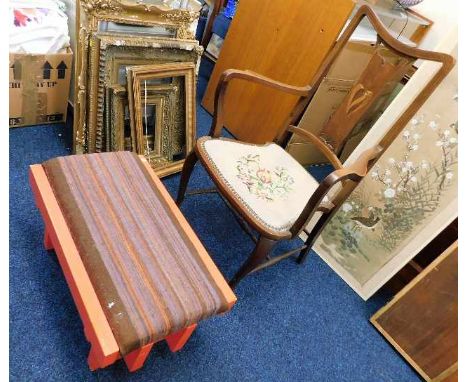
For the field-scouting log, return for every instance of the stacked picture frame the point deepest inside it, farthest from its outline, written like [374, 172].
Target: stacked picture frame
[113, 37]
[168, 90]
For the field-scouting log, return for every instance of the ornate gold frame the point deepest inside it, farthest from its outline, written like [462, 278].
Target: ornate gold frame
[139, 13]
[184, 113]
[157, 154]
[117, 98]
[88, 15]
[108, 52]
[115, 117]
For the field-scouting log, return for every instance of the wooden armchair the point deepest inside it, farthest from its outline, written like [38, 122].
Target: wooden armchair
[267, 189]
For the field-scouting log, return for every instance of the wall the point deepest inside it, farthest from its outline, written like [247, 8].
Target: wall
[444, 14]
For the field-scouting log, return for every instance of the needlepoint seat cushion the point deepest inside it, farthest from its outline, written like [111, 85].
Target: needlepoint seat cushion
[147, 274]
[268, 182]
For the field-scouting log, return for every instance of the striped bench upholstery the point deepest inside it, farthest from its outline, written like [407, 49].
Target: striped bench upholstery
[147, 274]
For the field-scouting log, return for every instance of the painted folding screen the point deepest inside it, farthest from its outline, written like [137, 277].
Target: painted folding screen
[406, 199]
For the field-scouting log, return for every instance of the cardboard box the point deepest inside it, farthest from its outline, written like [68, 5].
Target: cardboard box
[332, 91]
[39, 87]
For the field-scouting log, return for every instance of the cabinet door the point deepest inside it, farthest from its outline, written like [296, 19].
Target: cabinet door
[284, 40]
[422, 320]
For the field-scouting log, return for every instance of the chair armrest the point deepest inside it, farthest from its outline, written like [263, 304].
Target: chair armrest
[319, 144]
[360, 167]
[246, 75]
[355, 173]
[249, 75]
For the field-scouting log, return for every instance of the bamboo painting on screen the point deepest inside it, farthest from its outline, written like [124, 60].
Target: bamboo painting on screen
[404, 201]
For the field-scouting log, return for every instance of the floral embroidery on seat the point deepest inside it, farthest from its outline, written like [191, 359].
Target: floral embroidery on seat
[264, 183]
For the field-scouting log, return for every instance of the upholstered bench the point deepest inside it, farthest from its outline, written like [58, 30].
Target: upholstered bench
[137, 272]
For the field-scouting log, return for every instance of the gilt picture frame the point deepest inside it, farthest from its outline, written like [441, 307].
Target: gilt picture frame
[183, 123]
[177, 23]
[118, 107]
[152, 143]
[110, 54]
[115, 119]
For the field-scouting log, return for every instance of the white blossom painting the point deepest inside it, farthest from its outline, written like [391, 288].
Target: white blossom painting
[413, 182]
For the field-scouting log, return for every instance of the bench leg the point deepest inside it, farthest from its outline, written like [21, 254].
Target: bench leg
[47, 240]
[93, 360]
[97, 360]
[137, 358]
[176, 341]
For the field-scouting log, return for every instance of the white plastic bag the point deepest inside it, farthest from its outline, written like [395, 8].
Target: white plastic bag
[38, 27]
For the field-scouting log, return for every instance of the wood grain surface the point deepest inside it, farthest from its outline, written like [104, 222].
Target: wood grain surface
[286, 41]
[422, 320]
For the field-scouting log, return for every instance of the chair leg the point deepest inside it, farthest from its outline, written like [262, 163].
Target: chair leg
[176, 341]
[258, 256]
[187, 169]
[305, 252]
[312, 237]
[47, 240]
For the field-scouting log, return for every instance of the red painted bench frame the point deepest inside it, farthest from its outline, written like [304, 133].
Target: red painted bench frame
[104, 349]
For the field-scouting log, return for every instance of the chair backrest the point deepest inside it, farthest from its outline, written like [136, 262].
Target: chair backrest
[350, 177]
[378, 78]
[382, 71]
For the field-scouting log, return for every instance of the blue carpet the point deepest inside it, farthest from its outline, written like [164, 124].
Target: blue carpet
[291, 323]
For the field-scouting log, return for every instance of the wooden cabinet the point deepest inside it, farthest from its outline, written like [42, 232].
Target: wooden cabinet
[284, 40]
[421, 321]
